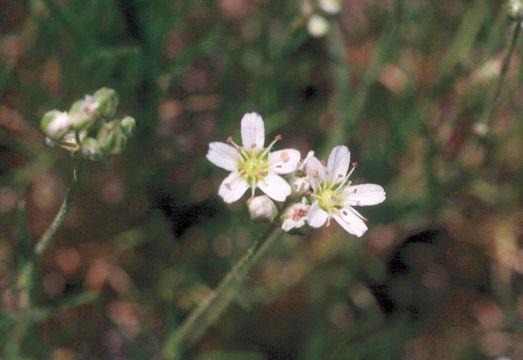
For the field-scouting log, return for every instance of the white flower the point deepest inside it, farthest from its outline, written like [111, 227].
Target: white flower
[317, 26]
[295, 215]
[330, 6]
[252, 165]
[333, 195]
[261, 207]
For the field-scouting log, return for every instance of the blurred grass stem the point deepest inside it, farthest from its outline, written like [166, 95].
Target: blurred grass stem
[201, 318]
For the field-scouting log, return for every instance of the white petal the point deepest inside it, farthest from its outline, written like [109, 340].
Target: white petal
[232, 188]
[275, 187]
[315, 172]
[223, 155]
[284, 161]
[364, 194]
[316, 216]
[253, 131]
[350, 222]
[338, 163]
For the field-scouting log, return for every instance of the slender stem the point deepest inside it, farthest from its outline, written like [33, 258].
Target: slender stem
[504, 67]
[45, 239]
[210, 309]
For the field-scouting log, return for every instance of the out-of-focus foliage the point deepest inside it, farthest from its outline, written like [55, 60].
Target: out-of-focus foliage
[404, 84]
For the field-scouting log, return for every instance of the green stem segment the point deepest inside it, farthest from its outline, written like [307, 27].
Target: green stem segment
[210, 309]
[45, 239]
[504, 67]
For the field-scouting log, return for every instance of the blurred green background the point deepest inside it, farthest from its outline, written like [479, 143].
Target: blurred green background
[404, 84]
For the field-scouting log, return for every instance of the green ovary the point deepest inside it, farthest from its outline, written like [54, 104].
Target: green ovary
[328, 199]
[252, 168]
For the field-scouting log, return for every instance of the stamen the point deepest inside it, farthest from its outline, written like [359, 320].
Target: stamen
[315, 173]
[355, 164]
[308, 193]
[279, 166]
[243, 173]
[328, 223]
[358, 214]
[239, 150]
[323, 163]
[333, 198]
[365, 219]
[229, 139]
[253, 146]
[355, 190]
[261, 173]
[340, 176]
[344, 212]
[305, 168]
[228, 186]
[252, 197]
[277, 137]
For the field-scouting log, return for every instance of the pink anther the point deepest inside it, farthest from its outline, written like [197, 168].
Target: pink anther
[253, 146]
[277, 137]
[229, 139]
[355, 164]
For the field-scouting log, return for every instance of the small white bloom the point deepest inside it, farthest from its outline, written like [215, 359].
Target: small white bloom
[333, 195]
[60, 123]
[317, 26]
[261, 207]
[252, 165]
[330, 6]
[295, 215]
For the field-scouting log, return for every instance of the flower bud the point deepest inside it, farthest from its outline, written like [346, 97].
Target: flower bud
[90, 149]
[515, 10]
[128, 125]
[262, 207]
[300, 184]
[330, 6]
[317, 26]
[55, 124]
[111, 138]
[295, 215]
[84, 113]
[107, 100]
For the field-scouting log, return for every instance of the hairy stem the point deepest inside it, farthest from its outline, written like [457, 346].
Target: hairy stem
[201, 318]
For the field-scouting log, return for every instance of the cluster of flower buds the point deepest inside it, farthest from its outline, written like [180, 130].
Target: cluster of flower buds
[312, 191]
[88, 129]
[515, 10]
[315, 12]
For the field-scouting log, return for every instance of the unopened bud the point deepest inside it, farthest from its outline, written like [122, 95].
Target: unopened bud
[128, 125]
[262, 207]
[55, 124]
[330, 6]
[84, 113]
[90, 149]
[515, 10]
[107, 100]
[317, 26]
[111, 138]
[300, 184]
[295, 215]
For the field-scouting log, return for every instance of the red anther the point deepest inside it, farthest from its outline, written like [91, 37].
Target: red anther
[344, 212]
[229, 139]
[278, 166]
[252, 197]
[365, 219]
[340, 176]
[333, 198]
[228, 186]
[261, 173]
[315, 173]
[305, 168]
[355, 190]
[239, 150]
[308, 193]
[277, 137]
[355, 164]
[243, 173]
[328, 223]
[253, 146]
[323, 163]
[87, 110]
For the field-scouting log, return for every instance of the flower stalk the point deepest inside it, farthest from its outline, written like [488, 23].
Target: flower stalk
[209, 310]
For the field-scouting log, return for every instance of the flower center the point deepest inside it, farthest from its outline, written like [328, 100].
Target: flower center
[253, 166]
[328, 199]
